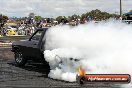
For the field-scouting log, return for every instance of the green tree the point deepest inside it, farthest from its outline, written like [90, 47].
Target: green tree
[98, 14]
[3, 18]
[38, 18]
[74, 17]
[60, 18]
[83, 16]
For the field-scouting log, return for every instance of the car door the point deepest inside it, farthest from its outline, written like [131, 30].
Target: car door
[32, 46]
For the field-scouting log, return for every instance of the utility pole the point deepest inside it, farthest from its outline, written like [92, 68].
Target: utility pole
[120, 8]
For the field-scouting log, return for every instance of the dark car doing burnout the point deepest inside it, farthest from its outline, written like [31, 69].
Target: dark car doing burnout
[31, 49]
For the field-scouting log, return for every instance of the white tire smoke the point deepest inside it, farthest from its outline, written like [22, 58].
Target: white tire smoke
[105, 47]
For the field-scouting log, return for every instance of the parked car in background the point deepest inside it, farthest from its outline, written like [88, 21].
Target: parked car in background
[11, 30]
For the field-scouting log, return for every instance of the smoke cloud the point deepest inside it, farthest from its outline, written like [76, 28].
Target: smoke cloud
[102, 48]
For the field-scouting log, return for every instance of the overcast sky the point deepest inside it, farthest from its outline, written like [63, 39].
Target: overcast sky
[53, 8]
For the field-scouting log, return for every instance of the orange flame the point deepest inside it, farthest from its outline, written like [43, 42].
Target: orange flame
[81, 71]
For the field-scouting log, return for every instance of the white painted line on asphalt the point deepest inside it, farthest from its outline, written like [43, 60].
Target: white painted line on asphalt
[5, 44]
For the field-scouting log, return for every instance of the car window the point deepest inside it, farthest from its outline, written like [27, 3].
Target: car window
[13, 26]
[37, 36]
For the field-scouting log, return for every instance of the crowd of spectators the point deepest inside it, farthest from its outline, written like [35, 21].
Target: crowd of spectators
[28, 26]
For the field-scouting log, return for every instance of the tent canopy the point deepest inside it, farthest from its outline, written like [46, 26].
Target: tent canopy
[129, 13]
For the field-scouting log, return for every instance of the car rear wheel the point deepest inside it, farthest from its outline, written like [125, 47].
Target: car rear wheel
[81, 80]
[19, 59]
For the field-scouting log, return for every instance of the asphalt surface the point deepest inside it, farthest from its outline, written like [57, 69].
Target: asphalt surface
[33, 75]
